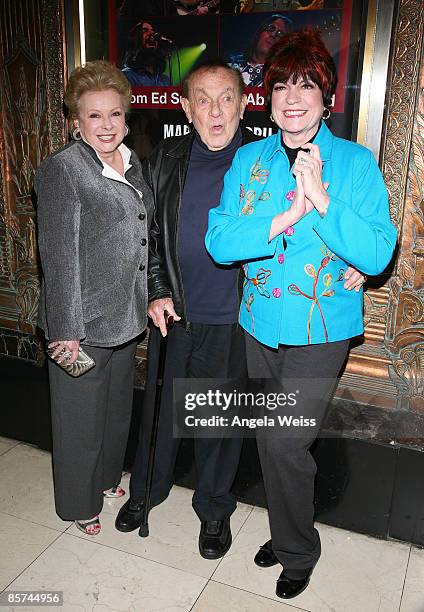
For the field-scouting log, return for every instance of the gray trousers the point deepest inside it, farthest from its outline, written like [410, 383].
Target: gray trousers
[90, 421]
[288, 467]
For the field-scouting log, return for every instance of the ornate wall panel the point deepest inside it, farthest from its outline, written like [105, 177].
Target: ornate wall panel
[31, 126]
[387, 370]
[405, 337]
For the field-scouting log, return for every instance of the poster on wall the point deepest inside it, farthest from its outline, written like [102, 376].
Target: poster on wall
[157, 43]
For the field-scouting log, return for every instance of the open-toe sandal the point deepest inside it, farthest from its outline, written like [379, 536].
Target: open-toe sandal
[91, 527]
[114, 492]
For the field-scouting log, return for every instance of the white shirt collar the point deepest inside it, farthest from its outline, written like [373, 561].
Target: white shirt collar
[110, 172]
[126, 156]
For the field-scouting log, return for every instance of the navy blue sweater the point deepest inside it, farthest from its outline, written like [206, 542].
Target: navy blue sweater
[210, 291]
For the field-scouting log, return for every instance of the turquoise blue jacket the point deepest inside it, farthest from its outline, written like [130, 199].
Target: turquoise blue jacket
[293, 288]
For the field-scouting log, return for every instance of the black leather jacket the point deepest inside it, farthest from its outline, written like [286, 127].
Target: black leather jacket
[165, 172]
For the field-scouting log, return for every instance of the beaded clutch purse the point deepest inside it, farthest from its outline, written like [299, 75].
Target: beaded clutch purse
[81, 365]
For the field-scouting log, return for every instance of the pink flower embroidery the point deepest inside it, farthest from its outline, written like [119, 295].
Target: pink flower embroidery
[281, 258]
[290, 195]
[276, 292]
[289, 231]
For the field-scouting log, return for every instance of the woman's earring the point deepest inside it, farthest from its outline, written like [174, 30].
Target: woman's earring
[272, 118]
[76, 134]
[326, 116]
[127, 130]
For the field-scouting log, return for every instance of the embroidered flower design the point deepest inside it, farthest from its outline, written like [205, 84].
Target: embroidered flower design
[241, 191]
[265, 195]
[248, 303]
[327, 253]
[327, 280]
[257, 173]
[259, 281]
[249, 198]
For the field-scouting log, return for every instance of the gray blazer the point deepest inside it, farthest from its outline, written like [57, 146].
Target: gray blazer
[93, 243]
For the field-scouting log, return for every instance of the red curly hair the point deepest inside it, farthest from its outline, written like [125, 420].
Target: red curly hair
[301, 55]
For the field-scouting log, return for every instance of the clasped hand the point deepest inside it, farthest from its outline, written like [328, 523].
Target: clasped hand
[311, 192]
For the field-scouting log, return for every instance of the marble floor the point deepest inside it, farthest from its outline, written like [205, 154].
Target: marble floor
[122, 572]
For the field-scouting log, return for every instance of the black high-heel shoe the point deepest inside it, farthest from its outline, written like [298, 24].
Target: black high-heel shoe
[265, 556]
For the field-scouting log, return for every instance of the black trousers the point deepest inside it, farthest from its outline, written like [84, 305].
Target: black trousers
[288, 467]
[203, 351]
[91, 416]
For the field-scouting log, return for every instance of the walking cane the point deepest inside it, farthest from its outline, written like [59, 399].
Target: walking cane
[144, 527]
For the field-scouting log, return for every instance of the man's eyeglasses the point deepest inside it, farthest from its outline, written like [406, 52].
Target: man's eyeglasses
[272, 29]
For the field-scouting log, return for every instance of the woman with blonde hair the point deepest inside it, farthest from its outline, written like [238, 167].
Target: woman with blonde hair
[94, 213]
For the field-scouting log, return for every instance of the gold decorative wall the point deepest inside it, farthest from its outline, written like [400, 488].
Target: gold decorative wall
[32, 66]
[387, 370]
[405, 331]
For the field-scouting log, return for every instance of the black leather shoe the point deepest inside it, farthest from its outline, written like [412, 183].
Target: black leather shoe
[129, 516]
[215, 538]
[287, 588]
[265, 557]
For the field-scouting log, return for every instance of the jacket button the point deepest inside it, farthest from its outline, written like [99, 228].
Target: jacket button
[141, 216]
[143, 242]
[141, 268]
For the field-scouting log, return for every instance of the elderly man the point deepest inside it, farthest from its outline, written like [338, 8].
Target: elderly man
[186, 175]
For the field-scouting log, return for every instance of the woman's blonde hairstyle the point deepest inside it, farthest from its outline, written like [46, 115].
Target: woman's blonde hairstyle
[97, 75]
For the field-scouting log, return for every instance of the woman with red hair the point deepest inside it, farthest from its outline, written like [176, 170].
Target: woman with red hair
[298, 208]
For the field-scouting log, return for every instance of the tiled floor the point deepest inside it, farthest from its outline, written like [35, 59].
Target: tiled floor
[164, 572]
